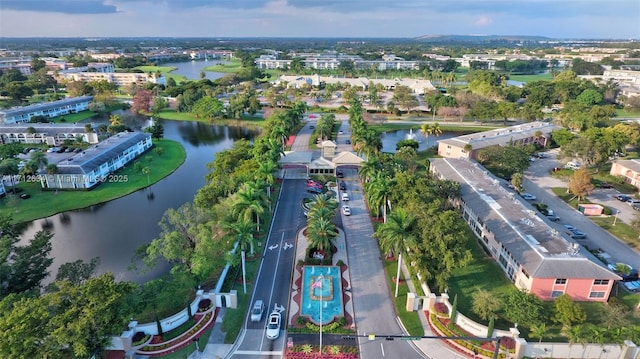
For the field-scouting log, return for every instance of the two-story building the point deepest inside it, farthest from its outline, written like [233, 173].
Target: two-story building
[52, 134]
[94, 165]
[629, 170]
[534, 255]
[47, 109]
[467, 146]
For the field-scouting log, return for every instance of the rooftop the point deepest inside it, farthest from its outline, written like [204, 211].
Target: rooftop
[45, 106]
[96, 155]
[502, 135]
[525, 234]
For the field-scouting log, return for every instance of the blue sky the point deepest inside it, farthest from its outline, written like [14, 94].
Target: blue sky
[319, 18]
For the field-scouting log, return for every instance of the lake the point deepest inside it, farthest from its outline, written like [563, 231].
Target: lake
[390, 139]
[191, 69]
[113, 230]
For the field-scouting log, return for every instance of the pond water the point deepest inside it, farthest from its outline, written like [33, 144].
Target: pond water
[390, 139]
[113, 230]
[192, 69]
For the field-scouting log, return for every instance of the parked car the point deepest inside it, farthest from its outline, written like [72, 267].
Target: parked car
[343, 186]
[257, 310]
[25, 196]
[529, 196]
[346, 210]
[622, 197]
[576, 234]
[573, 166]
[636, 207]
[339, 174]
[77, 150]
[633, 202]
[273, 327]
[345, 197]
[348, 142]
[314, 190]
[552, 215]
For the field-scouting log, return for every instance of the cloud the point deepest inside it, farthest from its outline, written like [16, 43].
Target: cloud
[483, 20]
[60, 6]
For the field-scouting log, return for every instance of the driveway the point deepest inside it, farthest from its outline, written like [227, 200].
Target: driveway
[539, 183]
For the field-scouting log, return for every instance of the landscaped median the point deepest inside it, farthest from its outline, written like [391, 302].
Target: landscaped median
[127, 180]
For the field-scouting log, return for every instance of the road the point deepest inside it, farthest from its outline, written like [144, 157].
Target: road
[539, 183]
[273, 282]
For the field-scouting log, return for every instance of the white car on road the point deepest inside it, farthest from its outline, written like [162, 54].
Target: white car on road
[528, 196]
[273, 326]
[257, 310]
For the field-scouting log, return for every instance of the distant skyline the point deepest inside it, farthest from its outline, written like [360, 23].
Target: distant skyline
[560, 19]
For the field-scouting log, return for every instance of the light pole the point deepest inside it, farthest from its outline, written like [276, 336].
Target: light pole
[615, 219]
[321, 295]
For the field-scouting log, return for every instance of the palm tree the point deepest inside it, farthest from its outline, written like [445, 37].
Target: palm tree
[250, 201]
[369, 168]
[265, 173]
[115, 120]
[396, 235]
[378, 192]
[321, 233]
[430, 130]
[40, 159]
[243, 232]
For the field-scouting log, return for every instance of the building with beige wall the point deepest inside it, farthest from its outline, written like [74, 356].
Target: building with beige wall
[629, 170]
[467, 146]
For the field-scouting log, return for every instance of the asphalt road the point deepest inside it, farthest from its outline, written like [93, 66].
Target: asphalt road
[539, 183]
[273, 282]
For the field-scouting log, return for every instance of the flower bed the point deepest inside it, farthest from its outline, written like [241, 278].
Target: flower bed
[204, 305]
[308, 351]
[468, 347]
[186, 337]
[441, 309]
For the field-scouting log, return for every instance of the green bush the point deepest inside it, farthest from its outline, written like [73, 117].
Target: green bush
[301, 320]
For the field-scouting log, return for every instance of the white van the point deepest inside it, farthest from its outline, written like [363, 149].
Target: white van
[345, 197]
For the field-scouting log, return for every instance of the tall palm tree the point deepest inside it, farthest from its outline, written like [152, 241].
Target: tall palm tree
[323, 201]
[378, 192]
[250, 201]
[265, 173]
[40, 159]
[430, 130]
[242, 230]
[396, 235]
[369, 168]
[321, 233]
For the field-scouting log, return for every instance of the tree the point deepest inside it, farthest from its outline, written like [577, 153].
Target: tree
[77, 272]
[250, 201]
[208, 108]
[156, 130]
[321, 233]
[52, 168]
[77, 88]
[523, 308]
[396, 236]
[589, 97]
[85, 322]
[580, 184]
[430, 130]
[566, 312]
[485, 304]
[517, 180]
[146, 171]
[27, 265]
[159, 104]
[539, 331]
[40, 159]
[141, 102]
[18, 91]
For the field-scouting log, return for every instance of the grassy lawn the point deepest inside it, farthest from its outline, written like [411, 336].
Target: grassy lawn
[246, 120]
[531, 78]
[622, 112]
[410, 320]
[230, 67]
[234, 319]
[74, 117]
[481, 273]
[621, 230]
[165, 70]
[128, 181]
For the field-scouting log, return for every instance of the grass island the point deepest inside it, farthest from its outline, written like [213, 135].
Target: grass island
[42, 204]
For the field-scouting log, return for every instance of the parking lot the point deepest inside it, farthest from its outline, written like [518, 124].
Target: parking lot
[539, 183]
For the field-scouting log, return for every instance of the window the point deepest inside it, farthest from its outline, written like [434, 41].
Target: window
[561, 281]
[601, 282]
[556, 293]
[596, 295]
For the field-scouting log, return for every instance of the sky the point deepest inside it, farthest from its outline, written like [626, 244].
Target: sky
[560, 19]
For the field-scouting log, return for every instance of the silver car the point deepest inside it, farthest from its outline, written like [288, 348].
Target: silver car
[257, 310]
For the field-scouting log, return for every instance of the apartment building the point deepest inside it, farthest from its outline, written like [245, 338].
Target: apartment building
[467, 146]
[96, 164]
[48, 110]
[534, 256]
[629, 170]
[118, 78]
[52, 134]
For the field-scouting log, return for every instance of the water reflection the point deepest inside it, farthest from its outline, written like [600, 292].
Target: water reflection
[113, 230]
[390, 139]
